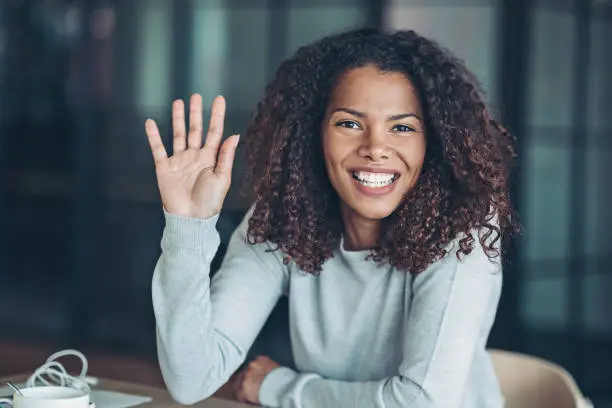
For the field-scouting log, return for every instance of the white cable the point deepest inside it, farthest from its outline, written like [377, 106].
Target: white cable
[54, 373]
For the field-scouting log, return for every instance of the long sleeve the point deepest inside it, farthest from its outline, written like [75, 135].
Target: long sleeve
[452, 309]
[204, 328]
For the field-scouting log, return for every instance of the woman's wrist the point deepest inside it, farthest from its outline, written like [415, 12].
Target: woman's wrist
[276, 384]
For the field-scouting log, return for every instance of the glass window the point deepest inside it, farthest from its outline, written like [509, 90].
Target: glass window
[600, 79]
[330, 3]
[469, 32]
[230, 51]
[545, 301]
[154, 57]
[596, 295]
[564, 5]
[452, 4]
[598, 196]
[248, 49]
[210, 49]
[545, 192]
[329, 20]
[550, 71]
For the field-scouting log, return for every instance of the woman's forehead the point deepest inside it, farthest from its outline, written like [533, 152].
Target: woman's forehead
[369, 89]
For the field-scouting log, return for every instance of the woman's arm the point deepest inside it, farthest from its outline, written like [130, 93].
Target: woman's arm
[204, 329]
[454, 302]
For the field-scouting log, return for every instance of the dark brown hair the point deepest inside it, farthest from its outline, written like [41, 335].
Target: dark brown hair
[464, 184]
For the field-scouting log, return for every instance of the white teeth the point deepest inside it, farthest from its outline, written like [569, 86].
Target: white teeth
[374, 179]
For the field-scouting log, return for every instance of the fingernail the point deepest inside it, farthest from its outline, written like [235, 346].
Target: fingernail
[237, 139]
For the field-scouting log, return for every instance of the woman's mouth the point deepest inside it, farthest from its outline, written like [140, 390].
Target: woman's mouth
[374, 183]
[374, 180]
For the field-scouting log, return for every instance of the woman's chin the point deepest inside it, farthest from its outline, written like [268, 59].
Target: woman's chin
[377, 211]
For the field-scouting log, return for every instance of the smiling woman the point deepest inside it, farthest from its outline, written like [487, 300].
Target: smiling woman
[381, 197]
[374, 148]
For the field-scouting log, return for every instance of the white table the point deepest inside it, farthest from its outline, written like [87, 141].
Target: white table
[161, 397]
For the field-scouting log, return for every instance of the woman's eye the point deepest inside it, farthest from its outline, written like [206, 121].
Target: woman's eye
[349, 124]
[403, 128]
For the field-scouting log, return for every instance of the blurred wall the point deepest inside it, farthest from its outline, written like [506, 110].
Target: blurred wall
[80, 214]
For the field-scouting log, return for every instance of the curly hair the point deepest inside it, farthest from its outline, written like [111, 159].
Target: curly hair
[464, 184]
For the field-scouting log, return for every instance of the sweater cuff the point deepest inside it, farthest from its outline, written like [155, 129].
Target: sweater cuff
[186, 233]
[276, 384]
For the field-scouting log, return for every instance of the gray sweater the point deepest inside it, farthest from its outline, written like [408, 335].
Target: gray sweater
[361, 335]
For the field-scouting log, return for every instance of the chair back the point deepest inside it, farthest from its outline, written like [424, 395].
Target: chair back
[531, 382]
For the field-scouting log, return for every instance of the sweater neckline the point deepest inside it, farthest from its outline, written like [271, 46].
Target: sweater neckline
[359, 255]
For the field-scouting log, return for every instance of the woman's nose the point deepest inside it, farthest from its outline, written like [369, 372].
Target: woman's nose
[375, 146]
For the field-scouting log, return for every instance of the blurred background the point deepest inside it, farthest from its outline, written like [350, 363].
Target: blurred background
[80, 217]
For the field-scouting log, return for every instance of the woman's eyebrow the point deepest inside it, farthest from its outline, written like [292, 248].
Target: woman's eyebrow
[404, 116]
[364, 115]
[350, 111]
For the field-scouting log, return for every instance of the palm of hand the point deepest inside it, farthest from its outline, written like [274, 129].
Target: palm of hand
[194, 181]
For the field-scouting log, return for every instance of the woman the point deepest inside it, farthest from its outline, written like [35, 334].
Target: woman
[381, 185]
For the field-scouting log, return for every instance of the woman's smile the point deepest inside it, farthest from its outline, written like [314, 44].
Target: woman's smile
[375, 181]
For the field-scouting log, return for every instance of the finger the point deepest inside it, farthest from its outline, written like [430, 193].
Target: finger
[194, 140]
[237, 383]
[178, 125]
[241, 396]
[155, 141]
[227, 153]
[238, 386]
[215, 126]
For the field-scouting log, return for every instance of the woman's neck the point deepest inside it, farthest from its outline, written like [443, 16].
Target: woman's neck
[359, 233]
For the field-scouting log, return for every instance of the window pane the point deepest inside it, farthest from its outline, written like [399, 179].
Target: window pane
[444, 3]
[248, 51]
[210, 49]
[596, 294]
[332, 3]
[154, 56]
[234, 4]
[550, 69]
[545, 199]
[303, 30]
[545, 302]
[559, 5]
[598, 217]
[468, 32]
[600, 77]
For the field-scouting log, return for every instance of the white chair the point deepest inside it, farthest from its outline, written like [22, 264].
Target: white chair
[531, 382]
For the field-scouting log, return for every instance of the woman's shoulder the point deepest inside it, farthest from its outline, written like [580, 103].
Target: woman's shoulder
[478, 252]
[241, 244]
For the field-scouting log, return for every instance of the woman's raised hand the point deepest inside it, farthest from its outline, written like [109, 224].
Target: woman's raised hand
[194, 181]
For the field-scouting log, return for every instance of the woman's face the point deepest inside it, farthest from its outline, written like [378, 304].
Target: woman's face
[373, 140]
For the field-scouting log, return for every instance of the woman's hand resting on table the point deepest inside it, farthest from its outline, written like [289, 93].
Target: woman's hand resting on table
[249, 379]
[194, 181]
